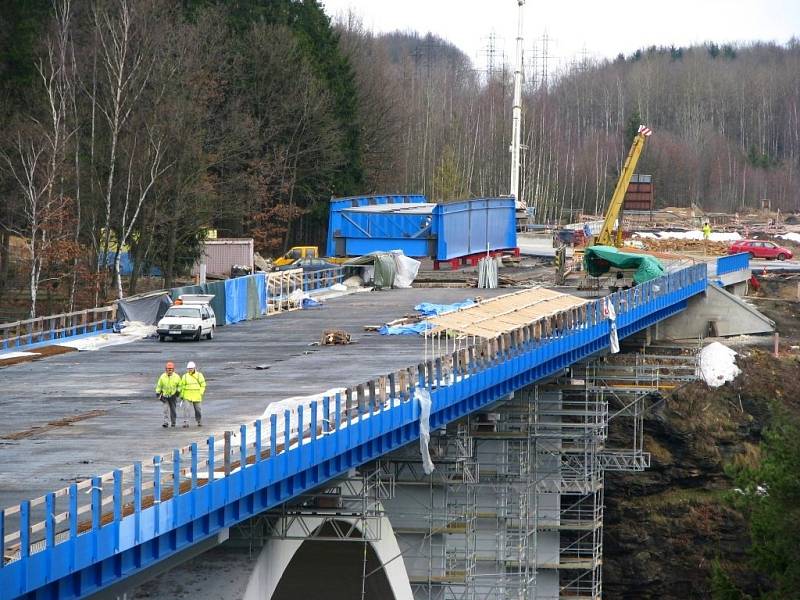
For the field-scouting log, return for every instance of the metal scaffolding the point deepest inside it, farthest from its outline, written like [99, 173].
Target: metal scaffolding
[514, 507]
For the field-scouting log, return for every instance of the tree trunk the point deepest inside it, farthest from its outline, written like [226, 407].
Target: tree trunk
[169, 268]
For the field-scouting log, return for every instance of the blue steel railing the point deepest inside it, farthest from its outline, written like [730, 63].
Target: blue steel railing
[733, 263]
[67, 544]
[53, 328]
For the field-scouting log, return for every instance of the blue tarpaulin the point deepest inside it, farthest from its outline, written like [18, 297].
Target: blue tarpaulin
[429, 309]
[411, 329]
[235, 300]
[261, 286]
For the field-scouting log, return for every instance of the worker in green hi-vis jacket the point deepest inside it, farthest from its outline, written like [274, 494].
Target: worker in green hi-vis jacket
[193, 386]
[168, 388]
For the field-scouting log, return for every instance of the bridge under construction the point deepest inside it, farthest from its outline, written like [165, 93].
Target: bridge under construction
[465, 463]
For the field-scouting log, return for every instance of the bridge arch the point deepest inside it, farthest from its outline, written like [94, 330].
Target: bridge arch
[291, 568]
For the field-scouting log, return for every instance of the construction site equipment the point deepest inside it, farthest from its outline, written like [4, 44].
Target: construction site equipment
[613, 216]
[444, 232]
[302, 252]
[598, 260]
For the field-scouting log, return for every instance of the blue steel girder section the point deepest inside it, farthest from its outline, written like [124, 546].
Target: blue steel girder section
[107, 553]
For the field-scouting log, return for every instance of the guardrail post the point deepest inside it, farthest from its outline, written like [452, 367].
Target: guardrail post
[242, 455]
[25, 529]
[273, 441]
[326, 414]
[117, 506]
[300, 426]
[210, 479]
[257, 443]
[97, 512]
[338, 407]
[157, 493]
[287, 423]
[49, 521]
[226, 457]
[176, 484]
[73, 515]
[137, 501]
[313, 430]
[210, 460]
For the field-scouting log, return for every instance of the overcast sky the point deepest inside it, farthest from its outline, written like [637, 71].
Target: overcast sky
[599, 28]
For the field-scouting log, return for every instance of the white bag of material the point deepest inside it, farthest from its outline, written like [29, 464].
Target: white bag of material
[718, 364]
[424, 398]
[407, 269]
[354, 281]
[613, 340]
[339, 287]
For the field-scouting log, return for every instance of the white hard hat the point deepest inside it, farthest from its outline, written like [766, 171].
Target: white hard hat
[190, 365]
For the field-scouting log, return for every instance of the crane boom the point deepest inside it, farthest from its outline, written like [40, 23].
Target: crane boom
[605, 237]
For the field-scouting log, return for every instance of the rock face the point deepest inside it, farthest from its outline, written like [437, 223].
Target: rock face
[666, 526]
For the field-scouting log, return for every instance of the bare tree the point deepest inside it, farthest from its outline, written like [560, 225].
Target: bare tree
[38, 155]
[127, 61]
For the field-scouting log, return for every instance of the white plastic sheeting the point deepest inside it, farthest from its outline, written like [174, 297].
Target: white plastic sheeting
[688, 235]
[132, 331]
[293, 404]
[10, 355]
[791, 236]
[718, 364]
[424, 398]
[611, 313]
[407, 269]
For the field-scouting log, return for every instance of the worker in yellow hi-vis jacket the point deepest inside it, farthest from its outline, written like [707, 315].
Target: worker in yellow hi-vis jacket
[168, 388]
[193, 386]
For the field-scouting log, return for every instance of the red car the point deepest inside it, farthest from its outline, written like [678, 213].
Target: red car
[760, 249]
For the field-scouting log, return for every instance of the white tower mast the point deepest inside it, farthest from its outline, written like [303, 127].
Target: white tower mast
[516, 114]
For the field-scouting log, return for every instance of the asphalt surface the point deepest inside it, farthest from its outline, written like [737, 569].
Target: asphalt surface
[118, 384]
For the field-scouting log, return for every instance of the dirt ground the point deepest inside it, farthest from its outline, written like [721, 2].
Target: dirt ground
[779, 299]
[665, 527]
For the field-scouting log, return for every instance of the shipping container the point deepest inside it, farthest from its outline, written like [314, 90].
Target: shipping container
[222, 254]
[364, 224]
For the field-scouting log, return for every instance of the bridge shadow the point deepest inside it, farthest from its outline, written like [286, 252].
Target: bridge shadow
[333, 570]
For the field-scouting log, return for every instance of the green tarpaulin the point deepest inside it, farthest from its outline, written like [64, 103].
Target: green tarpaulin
[385, 269]
[598, 260]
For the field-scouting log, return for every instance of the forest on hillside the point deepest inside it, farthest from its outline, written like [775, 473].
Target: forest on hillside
[141, 124]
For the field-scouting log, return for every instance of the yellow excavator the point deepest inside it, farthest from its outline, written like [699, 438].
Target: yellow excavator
[607, 235]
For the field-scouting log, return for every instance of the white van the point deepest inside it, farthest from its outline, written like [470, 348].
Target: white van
[192, 317]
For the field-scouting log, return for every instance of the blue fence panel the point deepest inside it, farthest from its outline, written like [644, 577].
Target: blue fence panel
[235, 300]
[733, 263]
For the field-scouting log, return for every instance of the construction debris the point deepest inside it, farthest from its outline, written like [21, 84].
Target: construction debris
[335, 337]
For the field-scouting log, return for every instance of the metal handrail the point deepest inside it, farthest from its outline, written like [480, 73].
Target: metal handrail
[54, 327]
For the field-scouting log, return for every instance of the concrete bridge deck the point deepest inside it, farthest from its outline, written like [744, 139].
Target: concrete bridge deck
[118, 382]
